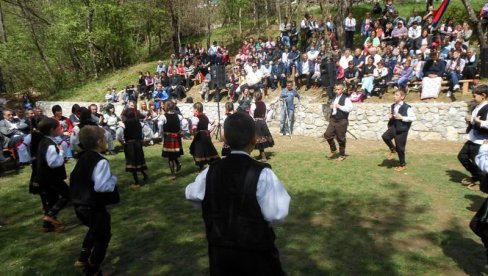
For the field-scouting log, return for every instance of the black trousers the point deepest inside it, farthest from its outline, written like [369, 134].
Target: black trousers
[337, 129]
[400, 139]
[230, 260]
[55, 195]
[466, 156]
[349, 39]
[97, 238]
[299, 80]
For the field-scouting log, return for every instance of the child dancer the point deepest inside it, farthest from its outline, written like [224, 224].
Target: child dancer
[263, 136]
[238, 211]
[401, 118]
[202, 148]
[51, 174]
[172, 145]
[93, 187]
[229, 110]
[134, 154]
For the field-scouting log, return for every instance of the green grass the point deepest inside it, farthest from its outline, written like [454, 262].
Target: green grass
[357, 217]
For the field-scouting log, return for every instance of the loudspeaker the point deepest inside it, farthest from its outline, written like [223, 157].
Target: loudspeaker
[484, 63]
[217, 72]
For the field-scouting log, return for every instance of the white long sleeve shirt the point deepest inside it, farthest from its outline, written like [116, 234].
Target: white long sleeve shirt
[53, 158]
[484, 124]
[347, 107]
[103, 178]
[410, 114]
[271, 194]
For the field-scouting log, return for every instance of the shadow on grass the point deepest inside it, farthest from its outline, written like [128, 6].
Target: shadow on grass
[468, 254]
[389, 163]
[456, 176]
[476, 201]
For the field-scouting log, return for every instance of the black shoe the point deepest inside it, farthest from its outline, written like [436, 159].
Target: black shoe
[178, 167]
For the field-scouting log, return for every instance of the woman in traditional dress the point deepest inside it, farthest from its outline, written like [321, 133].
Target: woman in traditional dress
[202, 148]
[172, 145]
[433, 70]
[263, 135]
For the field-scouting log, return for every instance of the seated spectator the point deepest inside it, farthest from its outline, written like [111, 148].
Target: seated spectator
[14, 137]
[253, 77]
[189, 74]
[345, 58]
[380, 74]
[66, 128]
[414, 18]
[149, 82]
[147, 122]
[267, 76]
[99, 120]
[304, 70]
[466, 33]
[471, 66]
[161, 67]
[245, 101]
[387, 33]
[279, 73]
[447, 28]
[368, 77]
[414, 31]
[454, 71]
[205, 91]
[113, 123]
[176, 88]
[375, 41]
[433, 70]
[423, 42]
[367, 25]
[398, 32]
[351, 77]
[316, 74]
[405, 76]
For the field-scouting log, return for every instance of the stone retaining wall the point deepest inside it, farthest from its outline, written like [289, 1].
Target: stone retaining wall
[435, 121]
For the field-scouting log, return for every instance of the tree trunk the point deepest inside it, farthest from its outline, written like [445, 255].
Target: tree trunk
[240, 21]
[89, 27]
[339, 20]
[255, 13]
[35, 40]
[476, 23]
[278, 11]
[266, 12]
[3, 32]
[160, 40]
[209, 26]
[175, 37]
[3, 86]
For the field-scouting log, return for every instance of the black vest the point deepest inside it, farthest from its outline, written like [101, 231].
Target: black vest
[82, 187]
[480, 132]
[202, 122]
[230, 208]
[400, 125]
[340, 114]
[46, 174]
[173, 124]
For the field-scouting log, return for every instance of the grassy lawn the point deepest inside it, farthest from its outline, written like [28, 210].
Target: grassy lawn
[356, 217]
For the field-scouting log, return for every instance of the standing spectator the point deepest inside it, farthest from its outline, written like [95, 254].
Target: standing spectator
[351, 76]
[341, 106]
[350, 26]
[287, 117]
[484, 17]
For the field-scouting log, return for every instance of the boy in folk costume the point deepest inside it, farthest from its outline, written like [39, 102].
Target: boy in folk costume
[401, 118]
[477, 133]
[241, 198]
[93, 187]
[51, 174]
[340, 107]
[229, 110]
[172, 145]
[202, 148]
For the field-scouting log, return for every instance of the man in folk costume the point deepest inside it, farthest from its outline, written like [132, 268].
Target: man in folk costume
[477, 133]
[341, 107]
[401, 118]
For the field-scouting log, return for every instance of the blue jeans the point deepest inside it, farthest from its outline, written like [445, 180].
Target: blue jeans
[454, 77]
[283, 121]
[286, 40]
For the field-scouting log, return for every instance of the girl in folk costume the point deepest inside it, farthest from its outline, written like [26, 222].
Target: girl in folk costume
[202, 148]
[172, 145]
[229, 110]
[263, 135]
[134, 154]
